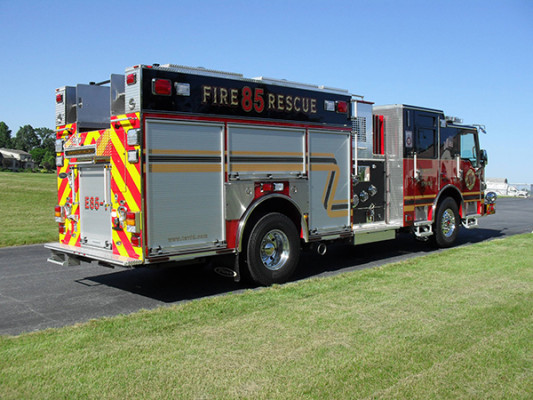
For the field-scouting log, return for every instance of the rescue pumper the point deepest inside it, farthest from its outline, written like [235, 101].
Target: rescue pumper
[168, 164]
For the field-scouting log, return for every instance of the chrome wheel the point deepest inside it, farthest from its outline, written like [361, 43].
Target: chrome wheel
[447, 225]
[274, 250]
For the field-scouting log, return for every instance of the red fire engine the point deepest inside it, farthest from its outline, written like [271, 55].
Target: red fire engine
[168, 164]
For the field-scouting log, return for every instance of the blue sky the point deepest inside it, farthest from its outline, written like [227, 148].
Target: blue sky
[473, 59]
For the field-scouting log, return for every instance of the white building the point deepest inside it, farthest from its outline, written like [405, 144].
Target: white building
[502, 188]
[15, 159]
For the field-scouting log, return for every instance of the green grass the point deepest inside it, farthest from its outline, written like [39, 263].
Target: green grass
[27, 204]
[456, 325]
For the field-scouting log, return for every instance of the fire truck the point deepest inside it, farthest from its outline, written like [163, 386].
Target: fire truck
[172, 164]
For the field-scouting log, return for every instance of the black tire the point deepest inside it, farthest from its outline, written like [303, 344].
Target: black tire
[447, 223]
[273, 250]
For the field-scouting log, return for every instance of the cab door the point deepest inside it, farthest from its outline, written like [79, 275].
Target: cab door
[422, 162]
[470, 171]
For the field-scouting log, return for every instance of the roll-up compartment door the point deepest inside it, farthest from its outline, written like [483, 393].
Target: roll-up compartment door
[185, 177]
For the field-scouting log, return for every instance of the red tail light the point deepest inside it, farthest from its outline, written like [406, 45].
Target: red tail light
[131, 79]
[136, 240]
[132, 223]
[59, 98]
[267, 187]
[62, 229]
[130, 219]
[264, 188]
[59, 214]
[162, 87]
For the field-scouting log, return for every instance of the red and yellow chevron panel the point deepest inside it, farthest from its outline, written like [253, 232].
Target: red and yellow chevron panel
[125, 181]
[110, 146]
[66, 195]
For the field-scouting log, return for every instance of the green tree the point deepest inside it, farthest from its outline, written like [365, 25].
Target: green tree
[47, 137]
[5, 135]
[49, 160]
[26, 138]
[37, 155]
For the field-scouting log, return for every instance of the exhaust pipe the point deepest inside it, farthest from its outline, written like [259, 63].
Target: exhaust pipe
[321, 249]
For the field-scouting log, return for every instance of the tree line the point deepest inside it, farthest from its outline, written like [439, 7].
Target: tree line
[39, 142]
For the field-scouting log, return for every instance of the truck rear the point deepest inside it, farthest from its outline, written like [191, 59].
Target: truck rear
[170, 163]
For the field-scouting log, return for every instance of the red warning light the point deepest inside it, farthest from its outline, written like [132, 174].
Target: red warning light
[131, 79]
[342, 107]
[162, 87]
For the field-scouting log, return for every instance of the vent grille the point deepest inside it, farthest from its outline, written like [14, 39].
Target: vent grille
[359, 127]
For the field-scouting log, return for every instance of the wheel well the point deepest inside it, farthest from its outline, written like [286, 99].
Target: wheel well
[276, 204]
[454, 194]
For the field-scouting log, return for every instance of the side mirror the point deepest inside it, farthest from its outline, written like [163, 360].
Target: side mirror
[483, 157]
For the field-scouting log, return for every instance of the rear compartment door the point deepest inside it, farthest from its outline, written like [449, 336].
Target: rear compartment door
[329, 180]
[185, 179]
[95, 207]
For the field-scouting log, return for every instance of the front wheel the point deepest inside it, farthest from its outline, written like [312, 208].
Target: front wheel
[447, 223]
[273, 249]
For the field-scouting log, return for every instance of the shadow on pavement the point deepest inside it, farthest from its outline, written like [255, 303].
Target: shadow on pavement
[181, 283]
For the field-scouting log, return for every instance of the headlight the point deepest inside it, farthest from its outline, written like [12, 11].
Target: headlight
[490, 198]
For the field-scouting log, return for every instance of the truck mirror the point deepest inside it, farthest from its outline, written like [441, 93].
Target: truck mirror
[483, 157]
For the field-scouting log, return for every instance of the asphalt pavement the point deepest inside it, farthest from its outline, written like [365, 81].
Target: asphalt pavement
[35, 294]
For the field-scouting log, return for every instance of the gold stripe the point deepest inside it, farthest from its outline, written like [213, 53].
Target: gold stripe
[423, 204]
[238, 167]
[323, 167]
[323, 155]
[427, 196]
[195, 152]
[266, 153]
[157, 168]
[408, 208]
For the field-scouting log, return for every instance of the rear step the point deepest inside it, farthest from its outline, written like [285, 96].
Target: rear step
[471, 221]
[63, 259]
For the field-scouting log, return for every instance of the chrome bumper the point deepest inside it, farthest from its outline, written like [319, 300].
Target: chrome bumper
[65, 255]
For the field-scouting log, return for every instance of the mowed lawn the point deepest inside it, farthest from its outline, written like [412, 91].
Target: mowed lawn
[27, 204]
[456, 324]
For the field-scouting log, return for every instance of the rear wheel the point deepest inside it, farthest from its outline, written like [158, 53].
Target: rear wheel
[447, 222]
[273, 249]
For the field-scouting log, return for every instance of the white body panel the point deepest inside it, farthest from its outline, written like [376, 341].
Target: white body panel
[185, 195]
[265, 152]
[329, 184]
